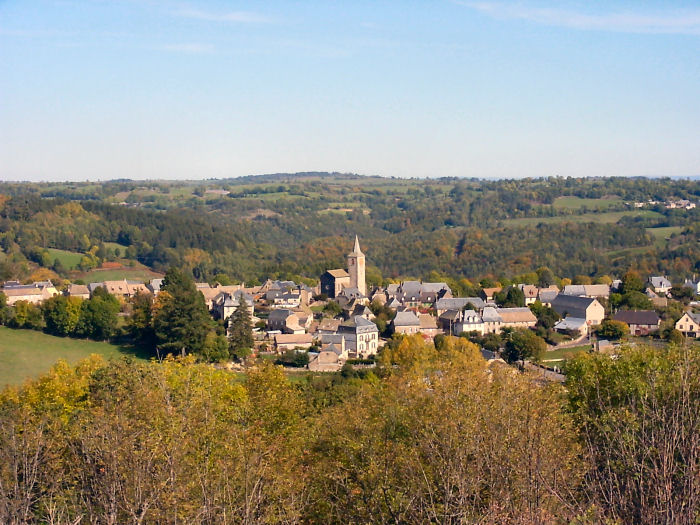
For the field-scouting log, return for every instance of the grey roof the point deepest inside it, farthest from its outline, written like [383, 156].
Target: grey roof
[358, 325]
[407, 318]
[574, 289]
[392, 289]
[393, 303]
[658, 281]
[547, 296]
[434, 287]
[450, 315]
[411, 288]
[458, 303]
[490, 315]
[647, 317]
[570, 323]
[155, 284]
[571, 305]
[279, 315]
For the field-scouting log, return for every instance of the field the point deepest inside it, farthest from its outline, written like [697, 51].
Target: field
[27, 354]
[69, 260]
[661, 234]
[603, 218]
[141, 274]
[576, 203]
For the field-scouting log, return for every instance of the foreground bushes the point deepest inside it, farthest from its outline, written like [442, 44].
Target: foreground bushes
[442, 438]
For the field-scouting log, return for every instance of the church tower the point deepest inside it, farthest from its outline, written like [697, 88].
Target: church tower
[356, 268]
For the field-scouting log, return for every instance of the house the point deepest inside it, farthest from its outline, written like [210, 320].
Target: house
[693, 285]
[488, 293]
[280, 320]
[467, 321]
[689, 324]
[285, 342]
[428, 325]
[154, 286]
[660, 284]
[35, 293]
[658, 302]
[361, 336]
[641, 322]
[516, 317]
[577, 308]
[547, 295]
[405, 322]
[326, 360]
[491, 320]
[328, 326]
[225, 303]
[530, 292]
[361, 310]
[78, 290]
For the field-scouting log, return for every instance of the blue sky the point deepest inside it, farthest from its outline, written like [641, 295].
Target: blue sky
[159, 89]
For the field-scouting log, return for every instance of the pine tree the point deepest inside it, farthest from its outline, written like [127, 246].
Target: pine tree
[182, 322]
[241, 330]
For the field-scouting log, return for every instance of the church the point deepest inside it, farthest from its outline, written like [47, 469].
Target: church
[335, 281]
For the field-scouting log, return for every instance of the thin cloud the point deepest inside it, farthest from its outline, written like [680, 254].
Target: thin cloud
[241, 17]
[679, 22]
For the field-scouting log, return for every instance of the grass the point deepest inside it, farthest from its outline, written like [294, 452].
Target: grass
[26, 354]
[603, 218]
[132, 274]
[661, 234]
[556, 356]
[576, 203]
[69, 260]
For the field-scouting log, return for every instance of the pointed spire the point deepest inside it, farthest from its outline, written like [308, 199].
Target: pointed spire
[356, 249]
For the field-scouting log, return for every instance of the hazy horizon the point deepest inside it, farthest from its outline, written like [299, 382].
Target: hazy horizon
[171, 90]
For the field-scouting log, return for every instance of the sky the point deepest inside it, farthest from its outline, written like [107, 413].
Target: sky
[159, 89]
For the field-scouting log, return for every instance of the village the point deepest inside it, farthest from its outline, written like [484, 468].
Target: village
[336, 321]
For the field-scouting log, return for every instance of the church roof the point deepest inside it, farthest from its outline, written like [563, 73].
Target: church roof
[338, 273]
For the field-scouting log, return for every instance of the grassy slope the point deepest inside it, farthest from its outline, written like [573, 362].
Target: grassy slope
[141, 274]
[575, 203]
[27, 354]
[603, 218]
[69, 260]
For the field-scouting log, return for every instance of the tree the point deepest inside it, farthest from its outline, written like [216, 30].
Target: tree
[637, 416]
[636, 301]
[26, 315]
[332, 308]
[545, 277]
[240, 330]
[4, 309]
[182, 322]
[62, 314]
[140, 322]
[512, 297]
[522, 345]
[632, 282]
[98, 315]
[610, 329]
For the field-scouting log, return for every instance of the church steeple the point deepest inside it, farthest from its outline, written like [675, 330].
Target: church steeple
[356, 268]
[356, 249]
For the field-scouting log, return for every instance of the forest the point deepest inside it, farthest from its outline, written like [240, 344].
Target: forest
[298, 225]
[434, 434]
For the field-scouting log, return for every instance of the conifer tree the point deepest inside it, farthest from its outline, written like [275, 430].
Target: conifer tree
[182, 322]
[241, 330]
